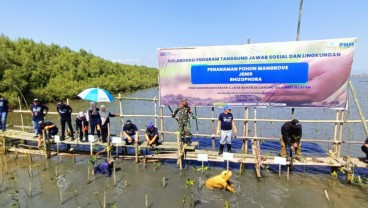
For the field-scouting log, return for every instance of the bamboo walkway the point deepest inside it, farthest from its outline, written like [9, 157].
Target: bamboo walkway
[172, 151]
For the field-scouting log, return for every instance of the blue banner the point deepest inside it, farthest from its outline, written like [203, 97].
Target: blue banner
[296, 73]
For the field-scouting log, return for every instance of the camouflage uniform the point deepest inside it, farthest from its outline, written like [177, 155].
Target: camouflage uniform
[183, 112]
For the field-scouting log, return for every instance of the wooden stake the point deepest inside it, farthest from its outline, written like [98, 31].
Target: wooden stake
[104, 205]
[114, 176]
[146, 201]
[88, 174]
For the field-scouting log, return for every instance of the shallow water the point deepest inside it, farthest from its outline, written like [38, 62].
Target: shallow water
[306, 187]
[134, 181]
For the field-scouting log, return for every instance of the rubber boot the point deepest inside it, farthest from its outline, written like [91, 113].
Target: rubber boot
[228, 147]
[221, 149]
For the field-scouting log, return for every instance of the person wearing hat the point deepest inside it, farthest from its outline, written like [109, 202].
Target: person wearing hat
[65, 114]
[291, 132]
[105, 121]
[4, 108]
[151, 135]
[49, 127]
[94, 119]
[130, 132]
[105, 168]
[184, 114]
[81, 126]
[221, 181]
[228, 129]
[39, 111]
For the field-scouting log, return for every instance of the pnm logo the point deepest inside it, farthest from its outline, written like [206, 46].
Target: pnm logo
[346, 44]
[165, 53]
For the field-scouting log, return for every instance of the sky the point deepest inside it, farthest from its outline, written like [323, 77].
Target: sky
[131, 31]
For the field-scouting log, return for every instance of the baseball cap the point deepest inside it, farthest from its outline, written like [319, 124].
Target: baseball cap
[295, 124]
[150, 125]
[183, 100]
[227, 107]
[35, 100]
[128, 122]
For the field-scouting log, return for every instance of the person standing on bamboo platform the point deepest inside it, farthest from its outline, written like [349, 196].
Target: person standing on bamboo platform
[81, 126]
[94, 119]
[105, 121]
[184, 114]
[39, 111]
[65, 113]
[4, 108]
[291, 132]
[228, 129]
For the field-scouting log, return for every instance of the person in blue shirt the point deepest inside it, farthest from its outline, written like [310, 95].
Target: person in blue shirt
[39, 111]
[65, 113]
[226, 124]
[105, 168]
[4, 108]
[130, 132]
[151, 135]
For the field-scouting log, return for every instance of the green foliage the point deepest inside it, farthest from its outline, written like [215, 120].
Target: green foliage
[334, 174]
[227, 204]
[51, 72]
[92, 159]
[189, 183]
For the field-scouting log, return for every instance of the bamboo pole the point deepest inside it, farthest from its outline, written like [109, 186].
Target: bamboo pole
[136, 150]
[213, 128]
[179, 152]
[246, 128]
[334, 145]
[155, 109]
[359, 108]
[21, 115]
[162, 123]
[340, 134]
[256, 149]
[121, 109]
[108, 142]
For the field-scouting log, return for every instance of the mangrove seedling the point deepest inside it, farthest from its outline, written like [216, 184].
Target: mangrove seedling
[157, 165]
[183, 199]
[98, 199]
[75, 194]
[189, 183]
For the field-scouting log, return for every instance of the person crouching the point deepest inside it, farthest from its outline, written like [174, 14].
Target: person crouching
[49, 127]
[105, 168]
[221, 181]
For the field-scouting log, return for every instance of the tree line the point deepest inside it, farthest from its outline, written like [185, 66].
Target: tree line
[51, 72]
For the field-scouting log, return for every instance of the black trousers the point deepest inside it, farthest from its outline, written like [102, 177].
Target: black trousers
[365, 150]
[69, 122]
[93, 127]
